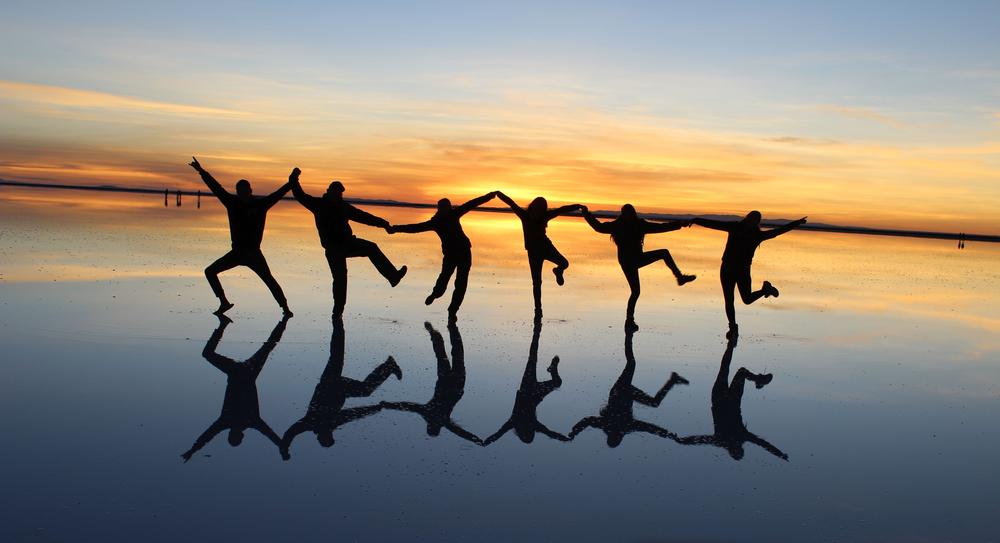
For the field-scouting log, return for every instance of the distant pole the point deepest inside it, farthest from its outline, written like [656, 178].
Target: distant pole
[165, 193]
[199, 199]
[178, 198]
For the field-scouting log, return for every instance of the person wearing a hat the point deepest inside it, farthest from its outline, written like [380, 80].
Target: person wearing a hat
[333, 216]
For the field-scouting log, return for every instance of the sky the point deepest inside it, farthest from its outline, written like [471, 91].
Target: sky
[882, 115]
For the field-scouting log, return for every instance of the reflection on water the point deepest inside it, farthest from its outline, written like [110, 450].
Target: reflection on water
[240, 404]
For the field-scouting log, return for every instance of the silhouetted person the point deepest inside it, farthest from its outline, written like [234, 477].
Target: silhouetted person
[727, 413]
[455, 248]
[524, 417]
[616, 418]
[534, 222]
[448, 390]
[240, 405]
[247, 214]
[628, 231]
[744, 238]
[333, 216]
[326, 410]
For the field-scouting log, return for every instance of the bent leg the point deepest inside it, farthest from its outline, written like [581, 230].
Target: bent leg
[227, 261]
[745, 285]
[363, 247]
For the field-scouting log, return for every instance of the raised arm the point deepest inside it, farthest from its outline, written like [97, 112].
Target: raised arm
[564, 210]
[363, 217]
[210, 181]
[598, 226]
[277, 195]
[308, 201]
[518, 210]
[474, 203]
[725, 226]
[659, 227]
[775, 232]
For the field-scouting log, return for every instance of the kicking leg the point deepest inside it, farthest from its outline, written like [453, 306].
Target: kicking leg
[363, 247]
[363, 389]
[747, 293]
[227, 261]
[553, 255]
[649, 257]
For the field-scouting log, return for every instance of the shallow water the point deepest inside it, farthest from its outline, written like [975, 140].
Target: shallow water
[884, 355]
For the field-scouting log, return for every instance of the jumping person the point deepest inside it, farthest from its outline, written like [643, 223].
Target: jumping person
[534, 222]
[326, 410]
[616, 418]
[448, 389]
[628, 231]
[247, 214]
[333, 216]
[727, 413]
[240, 405]
[524, 417]
[455, 248]
[744, 238]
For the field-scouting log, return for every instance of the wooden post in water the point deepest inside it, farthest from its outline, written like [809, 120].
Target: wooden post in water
[165, 192]
[178, 198]
[199, 199]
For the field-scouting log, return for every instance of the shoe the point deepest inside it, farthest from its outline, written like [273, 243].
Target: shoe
[394, 368]
[554, 366]
[429, 299]
[223, 307]
[452, 317]
[733, 333]
[631, 326]
[762, 380]
[769, 290]
[286, 311]
[558, 272]
[399, 276]
[685, 279]
[677, 379]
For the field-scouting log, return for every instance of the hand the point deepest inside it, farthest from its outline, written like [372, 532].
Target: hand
[294, 175]
[390, 229]
[285, 455]
[186, 456]
[802, 220]
[687, 223]
[195, 164]
[584, 209]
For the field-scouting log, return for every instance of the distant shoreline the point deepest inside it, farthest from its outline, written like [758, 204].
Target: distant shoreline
[817, 227]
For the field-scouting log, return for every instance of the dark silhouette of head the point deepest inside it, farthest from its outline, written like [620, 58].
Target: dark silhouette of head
[433, 429]
[525, 432]
[235, 437]
[752, 218]
[243, 189]
[538, 207]
[325, 438]
[735, 450]
[628, 213]
[615, 439]
[335, 191]
[444, 204]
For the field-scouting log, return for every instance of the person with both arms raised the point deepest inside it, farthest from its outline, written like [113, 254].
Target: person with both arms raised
[456, 248]
[247, 214]
[333, 216]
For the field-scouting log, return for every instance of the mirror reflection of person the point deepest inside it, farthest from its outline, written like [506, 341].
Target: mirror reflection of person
[333, 216]
[247, 214]
[524, 417]
[616, 418]
[326, 410]
[744, 238]
[727, 412]
[534, 223]
[240, 405]
[629, 231]
[448, 389]
[456, 248]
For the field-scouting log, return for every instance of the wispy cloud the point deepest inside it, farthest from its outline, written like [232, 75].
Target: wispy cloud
[65, 97]
[863, 113]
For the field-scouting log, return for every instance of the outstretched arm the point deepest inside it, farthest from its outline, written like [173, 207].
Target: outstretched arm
[588, 422]
[474, 203]
[414, 228]
[650, 428]
[293, 431]
[204, 438]
[725, 226]
[463, 433]
[364, 217]
[277, 195]
[564, 210]
[598, 226]
[518, 210]
[308, 201]
[551, 433]
[266, 430]
[210, 181]
[499, 433]
[766, 445]
[659, 227]
[775, 232]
